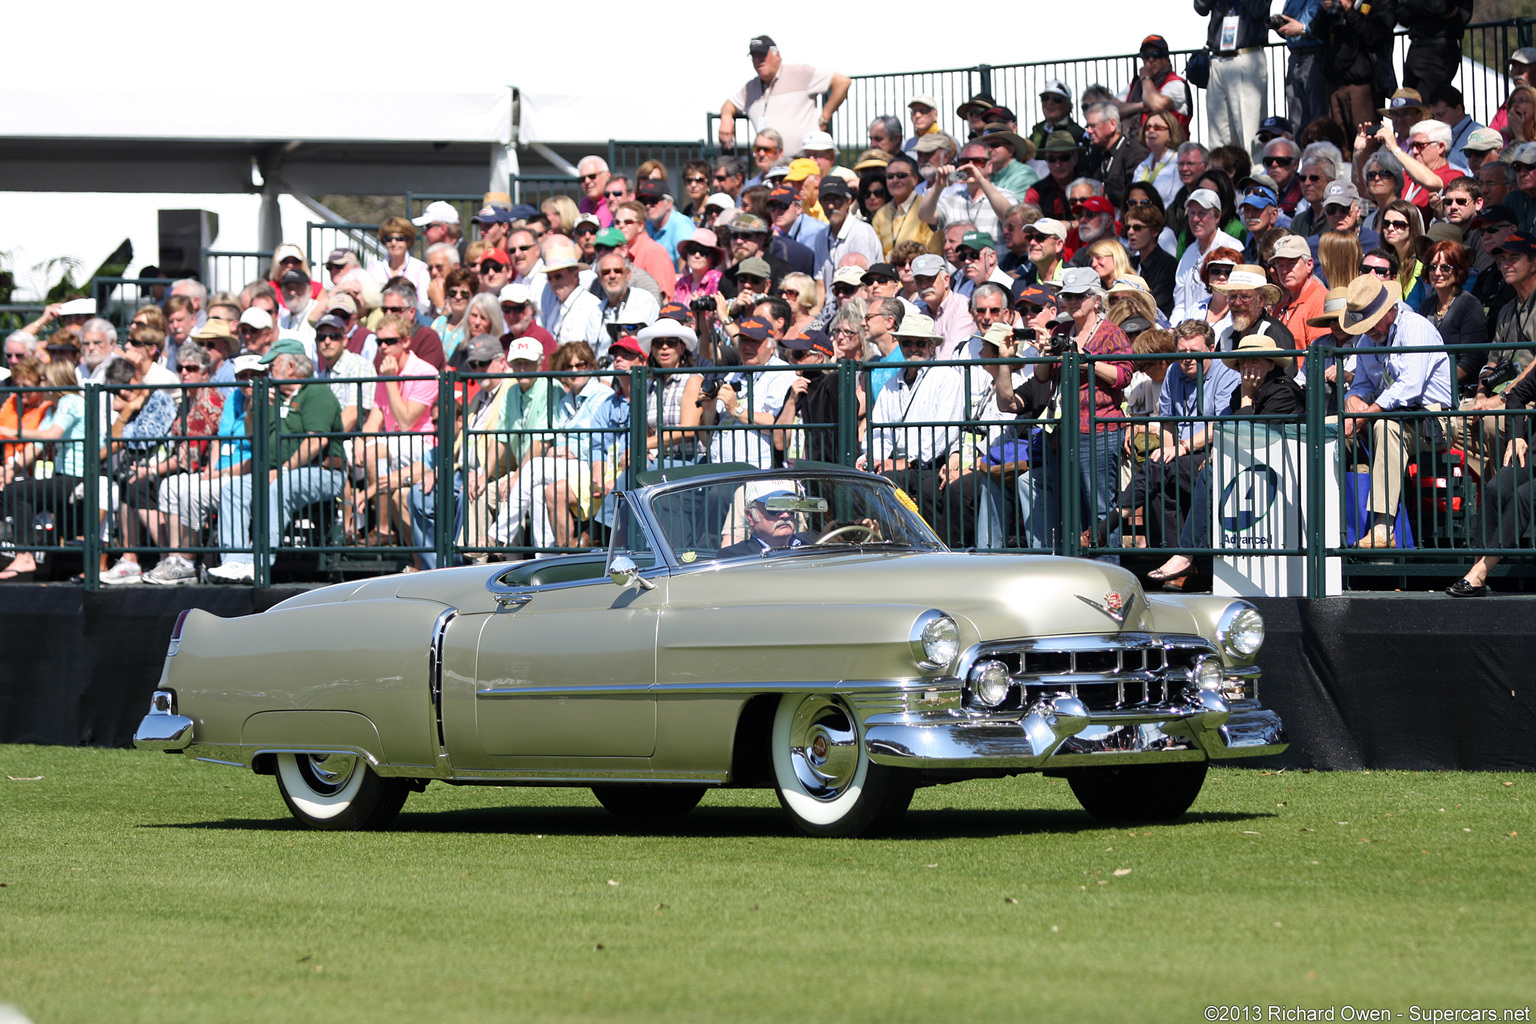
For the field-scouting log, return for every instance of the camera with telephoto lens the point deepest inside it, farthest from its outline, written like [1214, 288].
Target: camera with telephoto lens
[702, 304]
[1498, 374]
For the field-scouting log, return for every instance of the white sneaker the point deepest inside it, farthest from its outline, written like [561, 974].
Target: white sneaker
[233, 572]
[172, 571]
[123, 572]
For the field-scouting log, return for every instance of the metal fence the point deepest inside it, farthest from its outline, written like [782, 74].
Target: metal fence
[230, 271]
[321, 237]
[1017, 86]
[511, 473]
[118, 297]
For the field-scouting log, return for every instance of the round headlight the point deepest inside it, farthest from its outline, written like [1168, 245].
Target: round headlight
[1242, 631]
[936, 639]
[989, 683]
[1207, 674]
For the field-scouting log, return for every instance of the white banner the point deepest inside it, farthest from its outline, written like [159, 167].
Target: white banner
[1258, 501]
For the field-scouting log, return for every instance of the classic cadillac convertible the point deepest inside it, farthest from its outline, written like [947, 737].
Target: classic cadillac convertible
[798, 628]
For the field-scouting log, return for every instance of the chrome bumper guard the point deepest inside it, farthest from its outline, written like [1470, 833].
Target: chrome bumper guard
[162, 728]
[1060, 732]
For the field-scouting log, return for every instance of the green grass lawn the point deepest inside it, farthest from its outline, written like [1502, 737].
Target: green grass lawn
[147, 887]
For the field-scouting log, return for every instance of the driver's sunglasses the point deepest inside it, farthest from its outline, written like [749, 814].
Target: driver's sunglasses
[768, 513]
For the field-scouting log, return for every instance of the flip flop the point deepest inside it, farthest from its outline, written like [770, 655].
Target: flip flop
[13, 576]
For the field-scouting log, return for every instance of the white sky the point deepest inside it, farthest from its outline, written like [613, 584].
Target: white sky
[173, 45]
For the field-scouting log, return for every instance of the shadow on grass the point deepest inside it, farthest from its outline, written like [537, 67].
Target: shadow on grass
[722, 823]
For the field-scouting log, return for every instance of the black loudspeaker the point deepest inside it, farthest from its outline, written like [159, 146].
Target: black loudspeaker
[184, 234]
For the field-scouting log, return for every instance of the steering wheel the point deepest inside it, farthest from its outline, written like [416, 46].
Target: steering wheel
[869, 532]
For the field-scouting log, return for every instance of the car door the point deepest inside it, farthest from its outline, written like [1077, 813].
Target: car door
[565, 667]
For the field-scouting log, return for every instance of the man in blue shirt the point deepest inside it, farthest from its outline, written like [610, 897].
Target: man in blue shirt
[1196, 389]
[666, 226]
[1395, 381]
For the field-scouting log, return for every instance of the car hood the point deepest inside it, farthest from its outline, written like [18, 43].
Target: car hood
[1001, 595]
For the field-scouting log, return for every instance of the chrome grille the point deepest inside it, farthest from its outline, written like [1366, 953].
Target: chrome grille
[1104, 672]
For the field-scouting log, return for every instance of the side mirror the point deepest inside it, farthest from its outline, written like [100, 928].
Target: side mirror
[625, 573]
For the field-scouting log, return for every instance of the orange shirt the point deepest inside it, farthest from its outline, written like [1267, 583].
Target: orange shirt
[31, 419]
[1295, 314]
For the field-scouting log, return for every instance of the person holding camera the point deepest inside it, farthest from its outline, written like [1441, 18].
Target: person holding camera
[702, 259]
[1101, 395]
[964, 192]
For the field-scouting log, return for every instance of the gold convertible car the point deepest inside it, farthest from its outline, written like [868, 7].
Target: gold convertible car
[799, 628]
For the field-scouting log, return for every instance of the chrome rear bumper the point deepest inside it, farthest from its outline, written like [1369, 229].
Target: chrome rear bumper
[1061, 733]
[162, 728]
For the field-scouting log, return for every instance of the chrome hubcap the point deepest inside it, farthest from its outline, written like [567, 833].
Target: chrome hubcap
[824, 746]
[327, 773]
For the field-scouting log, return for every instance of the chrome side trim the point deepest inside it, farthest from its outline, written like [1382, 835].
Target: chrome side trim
[540, 777]
[895, 687]
[435, 672]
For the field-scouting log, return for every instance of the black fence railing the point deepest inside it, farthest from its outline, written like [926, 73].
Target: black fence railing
[507, 468]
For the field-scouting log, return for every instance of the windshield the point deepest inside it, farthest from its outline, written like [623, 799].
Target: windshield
[786, 513]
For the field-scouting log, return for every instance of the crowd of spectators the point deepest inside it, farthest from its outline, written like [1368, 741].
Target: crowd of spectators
[969, 259]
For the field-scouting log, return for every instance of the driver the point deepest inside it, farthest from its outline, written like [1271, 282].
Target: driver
[770, 529]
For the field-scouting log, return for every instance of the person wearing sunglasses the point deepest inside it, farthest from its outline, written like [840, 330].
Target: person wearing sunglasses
[897, 221]
[398, 235]
[1049, 194]
[459, 286]
[846, 235]
[593, 173]
[1316, 171]
[650, 256]
[974, 198]
[1280, 159]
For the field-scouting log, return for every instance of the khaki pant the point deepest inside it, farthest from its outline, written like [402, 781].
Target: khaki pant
[1478, 436]
[1393, 443]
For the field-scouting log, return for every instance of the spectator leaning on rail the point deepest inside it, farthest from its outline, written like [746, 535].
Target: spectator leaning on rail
[305, 420]
[782, 96]
[1395, 382]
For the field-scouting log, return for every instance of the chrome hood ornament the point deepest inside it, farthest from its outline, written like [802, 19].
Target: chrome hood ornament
[1114, 605]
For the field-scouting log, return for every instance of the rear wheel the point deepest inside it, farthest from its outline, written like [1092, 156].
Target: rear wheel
[1141, 792]
[338, 792]
[649, 801]
[825, 780]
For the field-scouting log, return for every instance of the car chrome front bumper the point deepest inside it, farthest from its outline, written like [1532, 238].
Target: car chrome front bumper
[1060, 732]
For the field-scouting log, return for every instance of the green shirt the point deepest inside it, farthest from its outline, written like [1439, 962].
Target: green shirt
[524, 411]
[313, 410]
[1015, 177]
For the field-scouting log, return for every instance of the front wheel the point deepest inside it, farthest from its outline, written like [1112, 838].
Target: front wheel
[338, 792]
[649, 800]
[825, 780]
[1138, 793]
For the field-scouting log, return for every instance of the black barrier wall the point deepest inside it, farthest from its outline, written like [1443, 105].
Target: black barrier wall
[1400, 681]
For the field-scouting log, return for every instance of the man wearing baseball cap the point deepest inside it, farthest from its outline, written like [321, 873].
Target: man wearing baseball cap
[1259, 211]
[782, 96]
[932, 277]
[1290, 266]
[1056, 105]
[1155, 87]
[1376, 316]
[924, 113]
[440, 223]
[846, 235]
[1203, 211]
[750, 398]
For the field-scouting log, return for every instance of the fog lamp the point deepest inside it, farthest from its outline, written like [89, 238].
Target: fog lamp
[989, 683]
